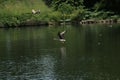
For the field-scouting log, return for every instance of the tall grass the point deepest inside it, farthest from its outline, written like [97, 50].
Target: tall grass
[12, 12]
[23, 6]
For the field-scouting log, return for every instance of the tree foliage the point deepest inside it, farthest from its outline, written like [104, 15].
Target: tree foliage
[104, 5]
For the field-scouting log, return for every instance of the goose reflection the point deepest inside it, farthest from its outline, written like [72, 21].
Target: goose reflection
[63, 53]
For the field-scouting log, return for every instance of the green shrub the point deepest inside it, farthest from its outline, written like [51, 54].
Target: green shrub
[55, 16]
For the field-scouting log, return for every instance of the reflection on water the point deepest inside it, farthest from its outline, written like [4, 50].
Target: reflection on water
[48, 68]
[8, 43]
[63, 53]
[91, 52]
[40, 67]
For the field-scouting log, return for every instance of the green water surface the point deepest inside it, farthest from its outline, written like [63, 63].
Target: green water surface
[91, 52]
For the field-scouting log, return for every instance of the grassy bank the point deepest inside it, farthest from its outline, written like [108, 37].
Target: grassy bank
[14, 12]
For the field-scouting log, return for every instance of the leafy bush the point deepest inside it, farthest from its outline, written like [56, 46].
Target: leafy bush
[23, 17]
[55, 16]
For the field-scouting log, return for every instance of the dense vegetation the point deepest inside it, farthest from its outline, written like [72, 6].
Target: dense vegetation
[14, 12]
[85, 9]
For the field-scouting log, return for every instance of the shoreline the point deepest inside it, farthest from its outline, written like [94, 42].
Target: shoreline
[47, 23]
[24, 24]
[101, 21]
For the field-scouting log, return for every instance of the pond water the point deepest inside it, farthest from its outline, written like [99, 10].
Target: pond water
[91, 52]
